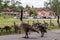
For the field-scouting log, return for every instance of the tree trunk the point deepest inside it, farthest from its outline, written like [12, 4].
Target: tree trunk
[58, 20]
[21, 15]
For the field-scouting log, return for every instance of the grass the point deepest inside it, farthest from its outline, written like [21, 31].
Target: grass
[10, 21]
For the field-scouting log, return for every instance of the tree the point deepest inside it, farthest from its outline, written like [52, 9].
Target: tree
[46, 4]
[54, 5]
[6, 4]
[16, 6]
[1, 5]
[18, 3]
[33, 11]
[27, 6]
[19, 7]
[1, 2]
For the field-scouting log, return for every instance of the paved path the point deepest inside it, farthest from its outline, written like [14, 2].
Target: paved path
[51, 35]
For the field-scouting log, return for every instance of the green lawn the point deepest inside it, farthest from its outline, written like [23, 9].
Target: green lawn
[10, 21]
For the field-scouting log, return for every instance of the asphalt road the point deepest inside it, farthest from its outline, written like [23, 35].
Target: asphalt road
[51, 35]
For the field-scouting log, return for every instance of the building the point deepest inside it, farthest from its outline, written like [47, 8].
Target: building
[9, 11]
[42, 12]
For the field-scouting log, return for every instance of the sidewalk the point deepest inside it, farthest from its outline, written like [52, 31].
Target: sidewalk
[51, 35]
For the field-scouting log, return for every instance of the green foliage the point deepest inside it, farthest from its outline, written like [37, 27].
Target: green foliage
[54, 5]
[6, 4]
[1, 14]
[9, 22]
[1, 5]
[18, 3]
[33, 11]
[27, 6]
